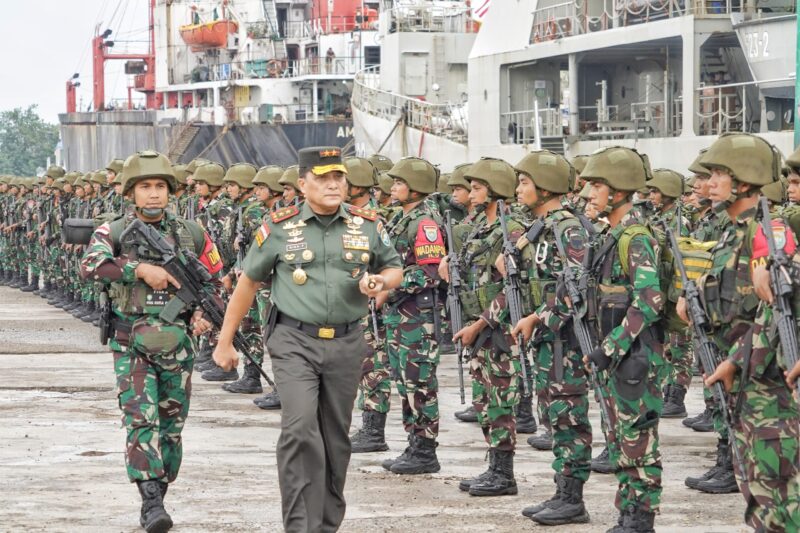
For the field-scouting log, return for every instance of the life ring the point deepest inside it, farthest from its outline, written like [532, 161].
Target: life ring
[274, 68]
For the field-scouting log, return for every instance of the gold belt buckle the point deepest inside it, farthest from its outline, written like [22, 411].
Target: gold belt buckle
[326, 333]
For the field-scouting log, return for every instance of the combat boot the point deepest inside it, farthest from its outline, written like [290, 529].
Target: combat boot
[269, 402]
[204, 355]
[95, 316]
[722, 451]
[154, 518]
[249, 383]
[692, 420]
[674, 406]
[75, 301]
[18, 281]
[568, 509]
[422, 459]
[539, 507]
[79, 310]
[723, 481]
[67, 299]
[46, 289]
[218, 374]
[467, 415]
[370, 438]
[526, 422]
[91, 310]
[2, 276]
[602, 463]
[388, 463]
[501, 480]
[32, 286]
[543, 441]
[705, 424]
[56, 295]
[465, 484]
[636, 520]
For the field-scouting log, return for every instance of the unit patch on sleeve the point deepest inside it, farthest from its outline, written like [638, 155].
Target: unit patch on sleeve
[429, 245]
[262, 234]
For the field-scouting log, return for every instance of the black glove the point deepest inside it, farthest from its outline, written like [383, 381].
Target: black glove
[600, 359]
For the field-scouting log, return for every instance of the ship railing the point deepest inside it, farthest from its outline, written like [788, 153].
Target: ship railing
[723, 108]
[520, 127]
[286, 68]
[655, 118]
[313, 66]
[430, 18]
[123, 104]
[292, 113]
[446, 120]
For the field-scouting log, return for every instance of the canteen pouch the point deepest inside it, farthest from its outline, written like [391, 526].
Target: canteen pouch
[614, 303]
[77, 230]
[424, 300]
[630, 376]
[152, 337]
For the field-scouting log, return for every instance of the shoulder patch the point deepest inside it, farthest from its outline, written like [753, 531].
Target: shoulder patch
[285, 212]
[369, 214]
[262, 234]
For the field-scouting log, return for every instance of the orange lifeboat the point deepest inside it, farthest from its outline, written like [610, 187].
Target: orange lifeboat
[208, 35]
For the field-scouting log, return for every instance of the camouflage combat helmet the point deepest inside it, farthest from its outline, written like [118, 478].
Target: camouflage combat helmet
[55, 172]
[688, 184]
[115, 165]
[419, 175]
[441, 184]
[579, 163]
[192, 167]
[146, 164]
[668, 182]
[211, 174]
[748, 158]
[696, 167]
[360, 172]
[793, 161]
[269, 175]
[457, 176]
[380, 162]
[499, 176]
[241, 174]
[98, 177]
[180, 174]
[623, 169]
[385, 182]
[548, 170]
[290, 177]
[777, 191]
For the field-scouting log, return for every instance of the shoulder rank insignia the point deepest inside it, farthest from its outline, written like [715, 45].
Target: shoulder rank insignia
[284, 213]
[369, 214]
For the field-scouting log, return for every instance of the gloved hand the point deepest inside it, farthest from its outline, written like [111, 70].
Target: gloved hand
[600, 359]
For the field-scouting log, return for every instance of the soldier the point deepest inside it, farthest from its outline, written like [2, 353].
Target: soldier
[238, 229]
[381, 162]
[151, 360]
[319, 256]
[629, 303]
[375, 387]
[666, 188]
[579, 202]
[386, 207]
[545, 178]
[766, 432]
[114, 198]
[412, 313]
[494, 367]
[291, 190]
[459, 193]
[269, 192]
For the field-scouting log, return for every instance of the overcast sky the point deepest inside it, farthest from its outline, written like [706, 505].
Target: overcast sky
[46, 41]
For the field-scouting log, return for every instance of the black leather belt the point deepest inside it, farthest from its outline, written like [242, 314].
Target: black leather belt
[320, 332]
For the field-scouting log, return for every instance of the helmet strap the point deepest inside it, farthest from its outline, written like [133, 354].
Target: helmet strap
[151, 212]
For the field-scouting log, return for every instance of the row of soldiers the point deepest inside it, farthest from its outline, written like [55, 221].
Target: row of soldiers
[509, 238]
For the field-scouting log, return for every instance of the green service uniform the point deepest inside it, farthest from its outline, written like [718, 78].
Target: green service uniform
[315, 263]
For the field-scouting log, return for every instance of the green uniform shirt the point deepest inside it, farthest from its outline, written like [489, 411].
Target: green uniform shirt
[315, 262]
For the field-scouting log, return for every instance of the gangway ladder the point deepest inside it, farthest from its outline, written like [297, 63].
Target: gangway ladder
[182, 142]
[271, 17]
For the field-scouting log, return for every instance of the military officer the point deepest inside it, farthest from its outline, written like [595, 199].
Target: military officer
[152, 364]
[325, 259]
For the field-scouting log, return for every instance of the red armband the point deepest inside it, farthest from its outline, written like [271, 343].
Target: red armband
[429, 245]
[784, 239]
[210, 256]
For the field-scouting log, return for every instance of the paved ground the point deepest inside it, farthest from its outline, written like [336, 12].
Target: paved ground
[62, 468]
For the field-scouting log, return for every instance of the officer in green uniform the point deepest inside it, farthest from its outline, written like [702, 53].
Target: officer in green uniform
[325, 259]
[151, 360]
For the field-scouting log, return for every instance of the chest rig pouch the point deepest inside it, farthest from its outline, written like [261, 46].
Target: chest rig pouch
[478, 254]
[727, 292]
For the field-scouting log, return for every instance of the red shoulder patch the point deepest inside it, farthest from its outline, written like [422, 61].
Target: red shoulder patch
[429, 244]
[783, 239]
[368, 214]
[286, 212]
[210, 256]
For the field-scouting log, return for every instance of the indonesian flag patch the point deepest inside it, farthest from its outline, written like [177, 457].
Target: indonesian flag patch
[262, 234]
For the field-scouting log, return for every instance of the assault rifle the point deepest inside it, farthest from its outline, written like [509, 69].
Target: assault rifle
[577, 309]
[190, 208]
[514, 292]
[191, 274]
[453, 301]
[240, 239]
[706, 348]
[782, 287]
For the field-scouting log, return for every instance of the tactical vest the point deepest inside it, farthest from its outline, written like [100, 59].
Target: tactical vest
[139, 298]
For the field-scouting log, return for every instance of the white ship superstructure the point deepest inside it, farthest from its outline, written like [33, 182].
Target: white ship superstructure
[665, 77]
